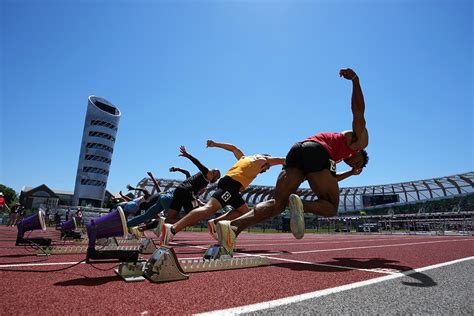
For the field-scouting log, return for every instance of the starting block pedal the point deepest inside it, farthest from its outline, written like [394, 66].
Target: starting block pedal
[163, 266]
[216, 252]
[147, 246]
[132, 271]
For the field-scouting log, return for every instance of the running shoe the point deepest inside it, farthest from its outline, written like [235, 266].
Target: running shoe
[157, 230]
[136, 232]
[211, 226]
[166, 234]
[296, 216]
[226, 236]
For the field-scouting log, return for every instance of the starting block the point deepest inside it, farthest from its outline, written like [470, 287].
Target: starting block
[32, 241]
[132, 271]
[65, 250]
[147, 247]
[109, 241]
[71, 235]
[164, 266]
[216, 252]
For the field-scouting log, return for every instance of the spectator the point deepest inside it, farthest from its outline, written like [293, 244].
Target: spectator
[57, 219]
[3, 203]
[14, 214]
[79, 217]
[46, 215]
[51, 218]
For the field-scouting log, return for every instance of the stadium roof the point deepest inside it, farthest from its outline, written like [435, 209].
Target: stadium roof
[351, 198]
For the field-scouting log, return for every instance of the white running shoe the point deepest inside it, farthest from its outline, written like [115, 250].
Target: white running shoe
[211, 226]
[296, 216]
[157, 230]
[226, 236]
[166, 234]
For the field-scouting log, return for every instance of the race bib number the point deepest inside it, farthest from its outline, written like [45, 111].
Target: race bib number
[226, 196]
[333, 165]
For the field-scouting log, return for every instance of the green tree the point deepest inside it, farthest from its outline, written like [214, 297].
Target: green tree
[8, 193]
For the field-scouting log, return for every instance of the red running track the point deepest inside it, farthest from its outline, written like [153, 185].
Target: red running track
[32, 284]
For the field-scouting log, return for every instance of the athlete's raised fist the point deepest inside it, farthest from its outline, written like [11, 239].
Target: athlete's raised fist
[210, 143]
[347, 73]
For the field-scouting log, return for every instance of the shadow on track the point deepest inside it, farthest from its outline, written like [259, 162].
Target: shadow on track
[89, 281]
[420, 279]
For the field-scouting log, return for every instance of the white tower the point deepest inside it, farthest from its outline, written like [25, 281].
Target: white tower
[97, 147]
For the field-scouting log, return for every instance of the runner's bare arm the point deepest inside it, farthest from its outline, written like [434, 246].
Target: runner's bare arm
[205, 171]
[126, 198]
[155, 183]
[358, 109]
[346, 174]
[184, 171]
[273, 161]
[229, 147]
[146, 194]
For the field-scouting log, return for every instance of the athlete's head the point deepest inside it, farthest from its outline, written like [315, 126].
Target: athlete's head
[358, 160]
[216, 174]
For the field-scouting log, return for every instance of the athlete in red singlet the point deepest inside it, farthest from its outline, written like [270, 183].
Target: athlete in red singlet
[313, 159]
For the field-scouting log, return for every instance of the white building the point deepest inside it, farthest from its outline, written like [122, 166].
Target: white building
[98, 139]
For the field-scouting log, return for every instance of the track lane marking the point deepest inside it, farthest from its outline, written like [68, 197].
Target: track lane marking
[376, 270]
[302, 297]
[263, 255]
[375, 246]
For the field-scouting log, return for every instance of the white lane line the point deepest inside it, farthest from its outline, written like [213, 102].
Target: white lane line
[263, 254]
[20, 265]
[377, 270]
[320, 293]
[296, 243]
[369, 247]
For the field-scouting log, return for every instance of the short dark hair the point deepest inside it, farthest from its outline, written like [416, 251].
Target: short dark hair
[365, 156]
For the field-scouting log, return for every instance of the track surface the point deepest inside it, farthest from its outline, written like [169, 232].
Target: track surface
[318, 274]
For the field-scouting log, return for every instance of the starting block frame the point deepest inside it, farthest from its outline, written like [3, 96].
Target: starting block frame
[109, 241]
[164, 266]
[147, 247]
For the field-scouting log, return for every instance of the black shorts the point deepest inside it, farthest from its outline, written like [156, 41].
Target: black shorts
[228, 192]
[309, 157]
[183, 198]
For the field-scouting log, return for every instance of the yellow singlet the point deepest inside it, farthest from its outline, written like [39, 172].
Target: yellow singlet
[246, 169]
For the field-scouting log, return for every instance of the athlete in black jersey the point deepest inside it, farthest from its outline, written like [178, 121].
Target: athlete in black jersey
[185, 195]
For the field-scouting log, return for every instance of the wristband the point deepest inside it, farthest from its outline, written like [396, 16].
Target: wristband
[355, 76]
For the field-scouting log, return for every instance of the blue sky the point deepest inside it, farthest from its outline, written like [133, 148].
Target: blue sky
[259, 74]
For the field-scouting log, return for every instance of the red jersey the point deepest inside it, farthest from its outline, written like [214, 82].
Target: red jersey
[335, 144]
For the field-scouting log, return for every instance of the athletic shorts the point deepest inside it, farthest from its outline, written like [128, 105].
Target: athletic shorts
[183, 198]
[309, 157]
[228, 192]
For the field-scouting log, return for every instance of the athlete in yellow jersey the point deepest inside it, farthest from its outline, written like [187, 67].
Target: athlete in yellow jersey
[228, 191]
